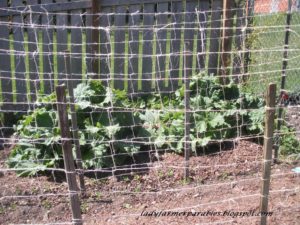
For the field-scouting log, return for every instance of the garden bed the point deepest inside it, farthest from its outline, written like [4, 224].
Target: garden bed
[229, 180]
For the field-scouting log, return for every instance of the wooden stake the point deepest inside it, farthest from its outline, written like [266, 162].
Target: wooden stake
[283, 73]
[267, 150]
[74, 121]
[67, 154]
[187, 144]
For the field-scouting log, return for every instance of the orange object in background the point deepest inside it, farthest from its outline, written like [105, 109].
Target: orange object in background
[269, 6]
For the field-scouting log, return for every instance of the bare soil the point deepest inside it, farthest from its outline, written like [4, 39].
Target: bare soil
[228, 180]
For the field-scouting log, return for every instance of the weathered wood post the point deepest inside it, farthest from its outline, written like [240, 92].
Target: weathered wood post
[267, 150]
[70, 84]
[283, 74]
[67, 154]
[187, 144]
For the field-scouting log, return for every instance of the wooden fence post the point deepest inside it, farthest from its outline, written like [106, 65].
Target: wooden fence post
[95, 37]
[70, 84]
[216, 14]
[187, 144]
[237, 62]
[267, 150]
[226, 42]
[67, 154]
[249, 29]
[283, 74]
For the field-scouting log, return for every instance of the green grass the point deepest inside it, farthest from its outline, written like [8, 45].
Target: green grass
[268, 35]
[293, 80]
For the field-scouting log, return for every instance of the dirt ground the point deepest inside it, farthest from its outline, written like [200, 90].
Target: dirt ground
[228, 181]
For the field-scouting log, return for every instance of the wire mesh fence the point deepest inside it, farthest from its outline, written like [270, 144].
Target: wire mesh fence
[268, 41]
[149, 123]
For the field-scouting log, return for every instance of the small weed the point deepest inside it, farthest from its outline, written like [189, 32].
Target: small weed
[18, 191]
[47, 189]
[185, 181]
[289, 144]
[98, 195]
[170, 173]
[13, 206]
[46, 204]
[2, 210]
[35, 191]
[84, 207]
[161, 174]
[126, 178]
[127, 206]
[138, 188]
[224, 176]
[137, 178]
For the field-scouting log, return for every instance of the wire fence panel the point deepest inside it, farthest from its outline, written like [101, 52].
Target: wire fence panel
[148, 112]
[102, 43]
[267, 41]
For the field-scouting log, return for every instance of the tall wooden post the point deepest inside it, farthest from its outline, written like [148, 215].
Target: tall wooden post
[67, 154]
[70, 84]
[187, 144]
[267, 150]
[283, 72]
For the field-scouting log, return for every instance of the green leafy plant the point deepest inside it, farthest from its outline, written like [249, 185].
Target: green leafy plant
[217, 110]
[39, 134]
[151, 120]
[289, 144]
[38, 146]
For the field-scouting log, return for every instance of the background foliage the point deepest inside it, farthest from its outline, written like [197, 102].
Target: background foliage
[217, 112]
